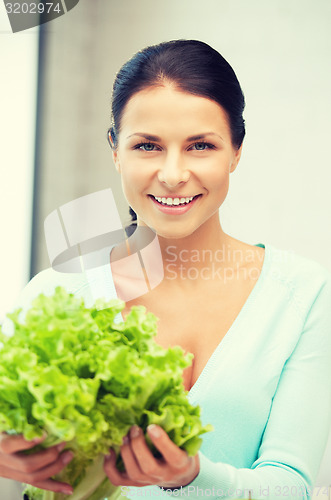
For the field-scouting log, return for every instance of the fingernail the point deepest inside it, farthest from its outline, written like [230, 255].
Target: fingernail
[109, 456]
[154, 430]
[135, 431]
[40, 438]
[66, 491]
[61, 446]
[67, 457]
[125, 440]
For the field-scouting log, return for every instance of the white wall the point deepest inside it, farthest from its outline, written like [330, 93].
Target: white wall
[18, 67]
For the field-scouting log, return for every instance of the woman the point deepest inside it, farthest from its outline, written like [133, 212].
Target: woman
[256, 319]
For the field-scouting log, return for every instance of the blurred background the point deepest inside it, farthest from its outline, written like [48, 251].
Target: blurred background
[56, 84]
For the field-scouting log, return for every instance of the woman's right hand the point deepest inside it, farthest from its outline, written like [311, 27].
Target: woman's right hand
[35, 469]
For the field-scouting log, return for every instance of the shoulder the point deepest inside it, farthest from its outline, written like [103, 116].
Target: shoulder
[45, 282]
[292, 267]
[301, 278]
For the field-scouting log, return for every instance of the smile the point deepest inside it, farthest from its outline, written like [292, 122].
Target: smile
[174, 201]
[174, 206]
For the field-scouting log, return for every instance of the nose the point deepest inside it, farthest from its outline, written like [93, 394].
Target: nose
[173, 171]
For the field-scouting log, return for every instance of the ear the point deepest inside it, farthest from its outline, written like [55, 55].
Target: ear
[114, 152]
[116, 161]
[236, 159]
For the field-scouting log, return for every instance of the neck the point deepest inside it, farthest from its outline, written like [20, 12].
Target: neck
[211, 237]
[193, 255]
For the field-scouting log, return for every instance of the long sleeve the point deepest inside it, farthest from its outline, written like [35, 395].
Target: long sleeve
[296, 431]
[45, 282]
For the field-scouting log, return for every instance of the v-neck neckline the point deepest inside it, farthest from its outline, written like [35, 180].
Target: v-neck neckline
[109, 290]
[230, 333]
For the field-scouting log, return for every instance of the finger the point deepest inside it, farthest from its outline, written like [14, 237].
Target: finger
[143, 456]
[115, 477]
[36, 480]
[132, 468]
[55, 486]
[48, 471]
[119, 478]
[171, 453]
[35, 461]
[12, 444]
[52, 469]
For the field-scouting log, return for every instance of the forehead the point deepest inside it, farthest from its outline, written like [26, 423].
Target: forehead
[163, 107]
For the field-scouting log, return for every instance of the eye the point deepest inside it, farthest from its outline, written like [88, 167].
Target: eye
[202, 146]
[146, 146]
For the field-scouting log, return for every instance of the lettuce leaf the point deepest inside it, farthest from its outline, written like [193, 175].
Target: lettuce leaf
[85, 378]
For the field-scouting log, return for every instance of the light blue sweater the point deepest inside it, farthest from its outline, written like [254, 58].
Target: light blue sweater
[266, 389]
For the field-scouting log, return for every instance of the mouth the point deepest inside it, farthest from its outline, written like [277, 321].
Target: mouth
[174, 202]
[174, 206]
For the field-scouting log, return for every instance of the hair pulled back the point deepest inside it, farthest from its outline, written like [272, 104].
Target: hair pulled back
[192, 66]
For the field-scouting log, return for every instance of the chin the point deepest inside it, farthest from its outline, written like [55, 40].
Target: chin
[172, 233]
[173, 230]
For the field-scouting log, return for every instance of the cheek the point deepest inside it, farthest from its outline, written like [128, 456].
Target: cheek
[132, 184]
[128, 188]
[218, 178]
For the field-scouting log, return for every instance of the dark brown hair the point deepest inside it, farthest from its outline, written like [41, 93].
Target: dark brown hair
[193, 67]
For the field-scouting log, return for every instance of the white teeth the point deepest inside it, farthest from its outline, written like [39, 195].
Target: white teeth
[173, 201]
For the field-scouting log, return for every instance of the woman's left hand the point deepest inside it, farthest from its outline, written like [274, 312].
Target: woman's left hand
[175, 469]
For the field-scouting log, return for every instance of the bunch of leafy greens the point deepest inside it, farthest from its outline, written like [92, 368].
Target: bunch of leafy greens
[85, 378]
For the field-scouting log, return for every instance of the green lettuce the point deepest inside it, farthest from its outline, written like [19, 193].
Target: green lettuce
[84, 377]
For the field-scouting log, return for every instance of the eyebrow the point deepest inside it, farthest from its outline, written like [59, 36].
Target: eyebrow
[192, 138]
[146, 136]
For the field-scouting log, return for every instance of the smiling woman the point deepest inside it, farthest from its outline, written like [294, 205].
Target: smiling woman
[174, 87]
[174, 172]
[257, 319]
